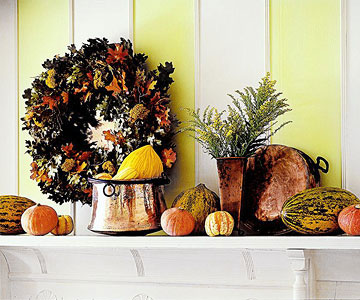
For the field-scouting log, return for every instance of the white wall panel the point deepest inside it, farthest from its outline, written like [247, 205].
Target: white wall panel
[91, 19]
[231, 54]
[101, 18]
[351, 100]
[8, 100]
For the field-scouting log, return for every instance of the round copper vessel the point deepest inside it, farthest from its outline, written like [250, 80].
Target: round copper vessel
[127, 207]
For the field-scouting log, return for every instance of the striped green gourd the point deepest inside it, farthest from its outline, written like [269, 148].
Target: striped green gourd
[200, 202]
[315, 211]
[11, 209]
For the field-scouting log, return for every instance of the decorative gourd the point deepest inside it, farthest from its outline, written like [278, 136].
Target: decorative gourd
[219, 223]
[349, 219]
[315, 211]
[145, 161]
[200, 202]
[177, 221]
[126, 174]
[103, 176]
[64, 226]
[11, 209]
[39, 219]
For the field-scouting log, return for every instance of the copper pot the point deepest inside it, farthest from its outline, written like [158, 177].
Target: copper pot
[231, 178]
[127, 206]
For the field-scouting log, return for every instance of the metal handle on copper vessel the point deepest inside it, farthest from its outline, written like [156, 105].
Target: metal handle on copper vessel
[319, 159]
[113, 190]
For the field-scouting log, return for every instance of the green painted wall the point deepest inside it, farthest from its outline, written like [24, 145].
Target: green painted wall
[305, 60]
[43, 31]
[165, 31]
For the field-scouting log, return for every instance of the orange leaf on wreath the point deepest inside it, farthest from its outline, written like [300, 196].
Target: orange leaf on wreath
[89, 75]
[34, 168]
[85, 156]
[88, 192]
[47, 100]
[117, 55]
[163, 118]
[122, 80]
[120, 138]
[114, 86]
[168, 157]
[150, 85]
[109, 136]
[82, 89]
[68, 149]
[117, 138]
[65, 97]
[154, 100]
[80, 167]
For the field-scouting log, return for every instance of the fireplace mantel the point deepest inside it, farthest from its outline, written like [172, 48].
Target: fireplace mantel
[161, 267]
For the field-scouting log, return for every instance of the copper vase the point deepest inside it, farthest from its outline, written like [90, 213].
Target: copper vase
[231, 172]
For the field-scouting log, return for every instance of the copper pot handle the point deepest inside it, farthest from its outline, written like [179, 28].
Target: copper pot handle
[113, 190]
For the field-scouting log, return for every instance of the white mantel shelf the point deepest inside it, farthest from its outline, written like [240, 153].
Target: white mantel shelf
[163, 267]
[165, 242]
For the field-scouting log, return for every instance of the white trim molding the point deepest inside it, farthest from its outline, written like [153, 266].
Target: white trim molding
[9, 114]
[343, 91]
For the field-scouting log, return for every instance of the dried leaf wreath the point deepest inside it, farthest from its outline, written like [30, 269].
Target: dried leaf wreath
[89, 109]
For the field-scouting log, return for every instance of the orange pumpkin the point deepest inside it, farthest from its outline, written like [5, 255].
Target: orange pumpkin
[349, 219]
[177, 221]
[39, 219]
[219, 223]
[64, 226]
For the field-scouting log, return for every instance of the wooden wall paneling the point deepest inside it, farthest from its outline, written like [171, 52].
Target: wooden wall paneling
[231, 41]
[350, 95]
[98, 18]
[8, 87]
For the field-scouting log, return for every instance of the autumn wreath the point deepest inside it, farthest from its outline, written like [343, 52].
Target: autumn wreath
[89, 109]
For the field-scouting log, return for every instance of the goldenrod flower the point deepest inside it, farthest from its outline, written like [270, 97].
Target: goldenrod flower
[68, 165]
[108, 166]
[139, 111]
[50, 80]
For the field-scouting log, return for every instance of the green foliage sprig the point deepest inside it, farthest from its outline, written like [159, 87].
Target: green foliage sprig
[246, 125]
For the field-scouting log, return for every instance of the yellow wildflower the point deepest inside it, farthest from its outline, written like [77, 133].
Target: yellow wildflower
[68, 165]
[50, 80]
[108, 166]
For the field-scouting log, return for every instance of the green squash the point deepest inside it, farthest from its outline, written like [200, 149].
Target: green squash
[315, 211]
[200, 202]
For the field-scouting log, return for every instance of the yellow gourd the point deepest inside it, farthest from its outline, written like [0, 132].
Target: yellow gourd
[126, 174]
[145, 161]
[219, 223]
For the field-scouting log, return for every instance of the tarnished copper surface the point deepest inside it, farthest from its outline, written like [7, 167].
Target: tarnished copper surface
[274, 174]
[231, 171]
[131, 208]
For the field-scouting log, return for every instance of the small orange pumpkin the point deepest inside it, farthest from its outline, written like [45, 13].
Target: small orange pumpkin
[349, 219]
[177, 221]
[39, 219]
[219, 223]
[64, 226]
